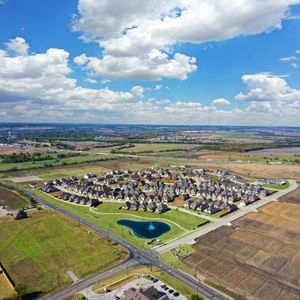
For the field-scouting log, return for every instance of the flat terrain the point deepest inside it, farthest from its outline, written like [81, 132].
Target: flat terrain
[11, 200]
[259, 256]
[38, 251]
[276, 151]
[51, 162]
[143, 148]
[293, 197]
[79, 170]
[106, 216]
[10, 150]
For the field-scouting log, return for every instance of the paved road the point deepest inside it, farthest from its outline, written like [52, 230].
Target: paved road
[136, 257]
[225, 221]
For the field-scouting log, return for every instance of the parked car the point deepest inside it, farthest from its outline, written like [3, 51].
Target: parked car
[176, 294]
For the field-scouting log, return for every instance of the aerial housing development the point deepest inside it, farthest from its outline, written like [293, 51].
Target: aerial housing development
[156, 189]
[149, 150]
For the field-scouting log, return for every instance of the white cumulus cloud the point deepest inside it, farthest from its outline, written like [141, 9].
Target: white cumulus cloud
[18, 45]
[137, 37]
[267, 87]
[220, 101]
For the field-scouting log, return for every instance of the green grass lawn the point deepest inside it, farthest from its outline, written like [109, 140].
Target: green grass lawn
[38, 251]
[104, 219]
[277, 186]
[171, 259]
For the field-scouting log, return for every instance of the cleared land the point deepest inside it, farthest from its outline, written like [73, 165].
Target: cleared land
[144, 148]
[276, 151]
[293, 197]
[10, 150]
[52, 162]
[107, 214]
[11, 200]
[259, 256]
[38, 251]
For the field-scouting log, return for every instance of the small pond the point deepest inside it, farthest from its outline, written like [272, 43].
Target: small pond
[147, 230]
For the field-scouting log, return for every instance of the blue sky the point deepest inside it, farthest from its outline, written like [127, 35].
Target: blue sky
[145, 64]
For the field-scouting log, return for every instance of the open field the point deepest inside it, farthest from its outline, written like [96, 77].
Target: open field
[293, 197]
[79, 170]
[52, 162]
[107, 214]
[278, 151]
[260, 254]
[38, 251]
[253, 157]
[10, 150]
[146, 148]
[11, 200]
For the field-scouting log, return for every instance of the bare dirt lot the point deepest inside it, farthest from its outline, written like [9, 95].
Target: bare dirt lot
[281, 151]
[257, 169]
[10, 150]
[259, 256]
[10, 200]
[293, 197]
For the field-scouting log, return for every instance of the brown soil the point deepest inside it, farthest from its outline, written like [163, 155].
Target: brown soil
[259, 256]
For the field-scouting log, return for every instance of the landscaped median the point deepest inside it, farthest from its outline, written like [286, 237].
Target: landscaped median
[107, 214]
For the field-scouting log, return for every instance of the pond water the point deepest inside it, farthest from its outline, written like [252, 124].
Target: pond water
[147, 230]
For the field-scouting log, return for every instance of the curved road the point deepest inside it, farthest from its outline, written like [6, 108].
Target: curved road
[136, 257]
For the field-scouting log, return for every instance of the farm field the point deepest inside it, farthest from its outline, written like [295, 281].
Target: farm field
[11, 150]
[79, 170]
[255, 157]
[52, 162]
[144, 148]
[107, 214]
[11, 200]
[293, 197]
[38, 251]
[276, 151]
[260, 254]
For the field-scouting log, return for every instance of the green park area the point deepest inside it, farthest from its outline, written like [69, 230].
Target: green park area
[107, 214]
[38, 251]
